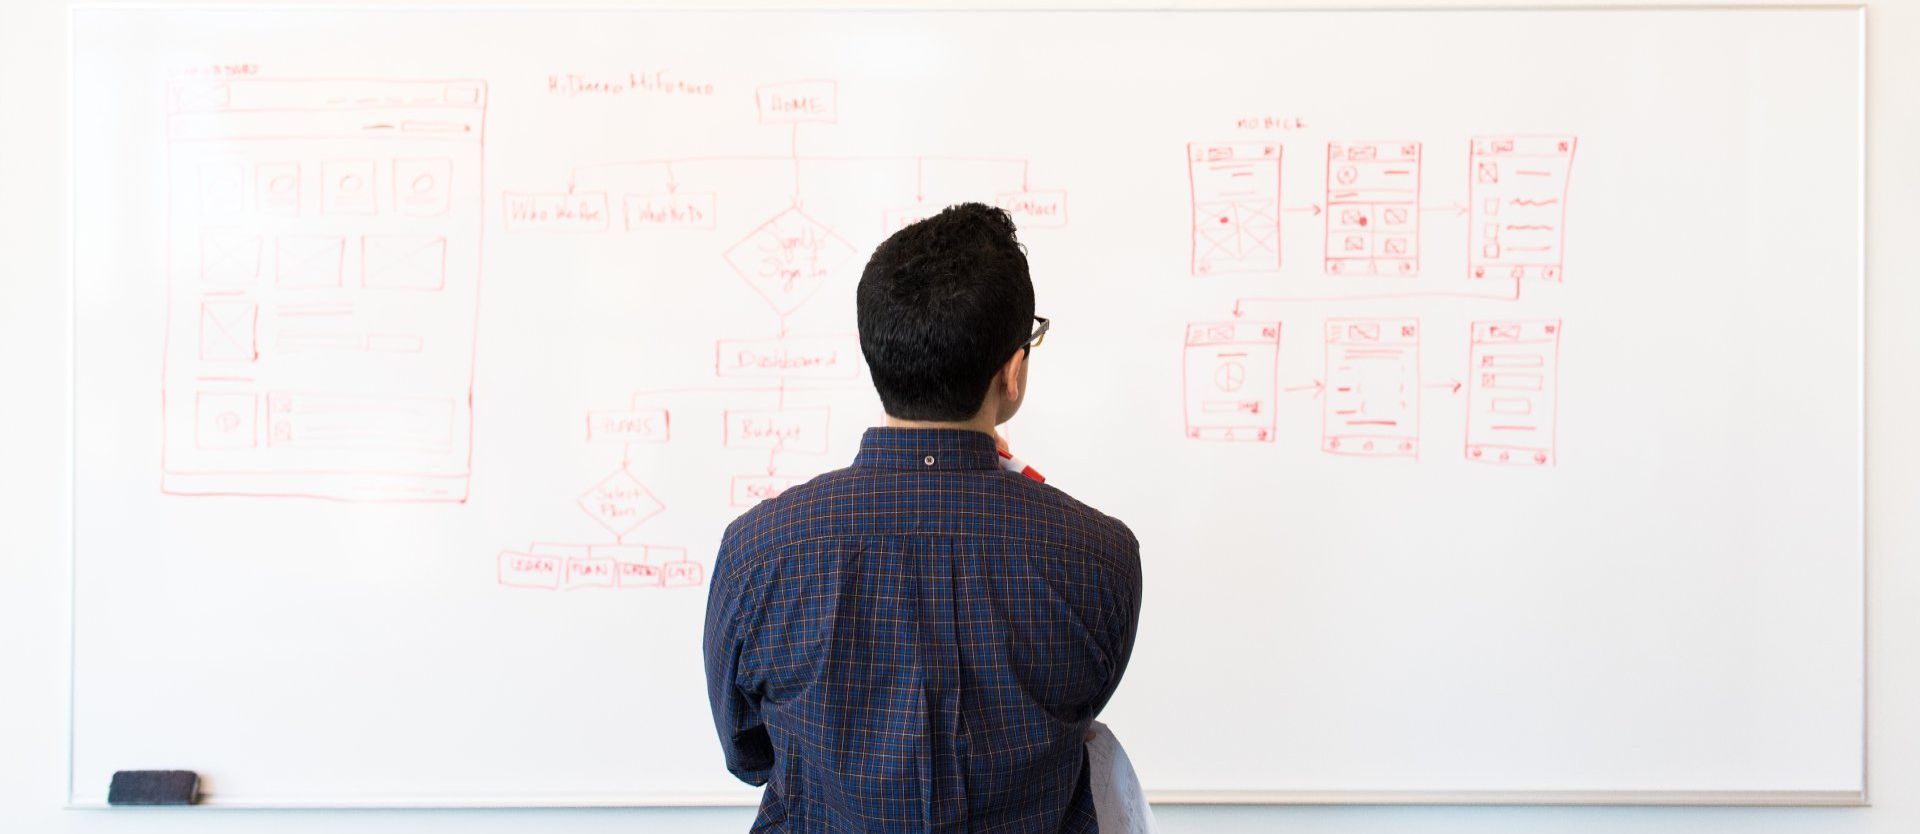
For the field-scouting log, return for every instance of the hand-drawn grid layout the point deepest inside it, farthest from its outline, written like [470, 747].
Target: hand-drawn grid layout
[1517, 199]
[1515, 214]
[1513, 392]
[1235, 193]
[1230, 380]
[1372, 405]
[323, 274]
[1373, 208]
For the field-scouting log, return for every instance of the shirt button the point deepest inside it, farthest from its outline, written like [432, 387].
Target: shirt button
[928, 460]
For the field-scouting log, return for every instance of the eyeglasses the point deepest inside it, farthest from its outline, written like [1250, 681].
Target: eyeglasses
[1039, 335]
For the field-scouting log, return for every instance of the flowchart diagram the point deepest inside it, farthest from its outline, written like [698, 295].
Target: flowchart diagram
[1371, 385]
[765, 379]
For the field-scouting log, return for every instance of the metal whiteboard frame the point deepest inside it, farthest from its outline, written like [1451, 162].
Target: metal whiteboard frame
[1722, 798]
[1776, 799]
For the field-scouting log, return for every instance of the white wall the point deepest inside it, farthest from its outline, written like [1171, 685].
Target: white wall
[34, 486]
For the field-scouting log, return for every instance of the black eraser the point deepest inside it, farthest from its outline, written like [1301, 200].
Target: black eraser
[154, 787]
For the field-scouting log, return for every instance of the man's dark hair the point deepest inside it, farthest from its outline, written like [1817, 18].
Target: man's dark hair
[943, 303]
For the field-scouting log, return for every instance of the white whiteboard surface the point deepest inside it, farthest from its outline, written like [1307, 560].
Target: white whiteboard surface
[382, 317]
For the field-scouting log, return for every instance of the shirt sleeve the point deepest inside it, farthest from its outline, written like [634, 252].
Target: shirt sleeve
[1125, 626]
[736, 714]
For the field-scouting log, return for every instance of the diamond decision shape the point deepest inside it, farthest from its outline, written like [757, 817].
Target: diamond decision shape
[620, 503]
[787, 257]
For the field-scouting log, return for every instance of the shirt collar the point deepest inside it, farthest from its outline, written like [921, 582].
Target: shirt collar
[889, 447]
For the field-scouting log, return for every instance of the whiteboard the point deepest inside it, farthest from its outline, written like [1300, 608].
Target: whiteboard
[1484, 387]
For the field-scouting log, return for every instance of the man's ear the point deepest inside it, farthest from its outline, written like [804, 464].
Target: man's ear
[1010, 376]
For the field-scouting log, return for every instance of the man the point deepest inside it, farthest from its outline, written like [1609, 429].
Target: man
[920, 641]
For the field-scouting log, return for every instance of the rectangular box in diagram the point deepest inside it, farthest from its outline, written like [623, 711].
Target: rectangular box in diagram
[422, 187]
[802, 429]
[1235, 194]
[672, 210]
[1372, 406]
[1373, 208]
[748, 490]
[527, 570]
[638, 575]
[1035, 209]
[798, 101]
[323, 262]
[640, 425]
[1230, 380]
[835, 356]
[1517, 206]
[589, 572]
[569, 212]
[1513, 385]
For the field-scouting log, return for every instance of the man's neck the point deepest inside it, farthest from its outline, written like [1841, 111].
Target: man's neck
[981, 423]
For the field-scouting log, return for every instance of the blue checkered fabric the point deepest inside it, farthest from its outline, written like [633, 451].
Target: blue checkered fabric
[918, 643]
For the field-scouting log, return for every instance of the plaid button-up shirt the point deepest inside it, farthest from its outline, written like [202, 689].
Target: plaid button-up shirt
[919, 642]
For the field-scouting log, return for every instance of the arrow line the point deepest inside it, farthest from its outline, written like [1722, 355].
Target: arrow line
[1303, 299]
[740, 389]
[794, 151]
